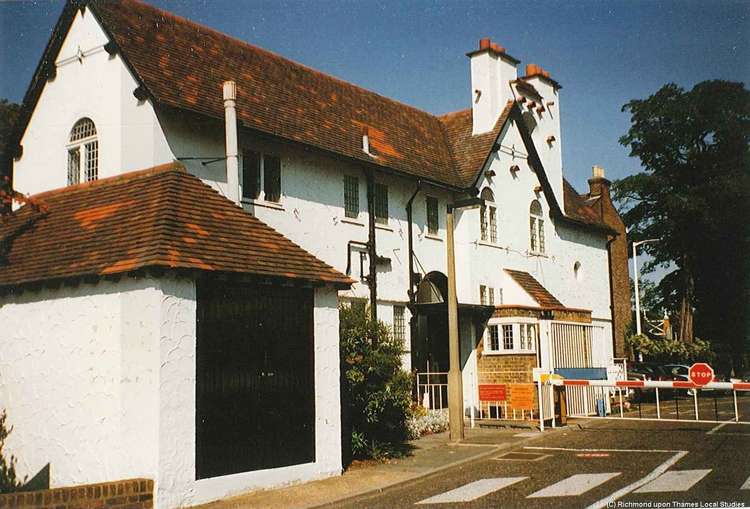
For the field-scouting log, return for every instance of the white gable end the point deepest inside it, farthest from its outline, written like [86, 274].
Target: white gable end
[88, 83]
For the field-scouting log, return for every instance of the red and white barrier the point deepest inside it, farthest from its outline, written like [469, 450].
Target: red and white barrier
[654, 384]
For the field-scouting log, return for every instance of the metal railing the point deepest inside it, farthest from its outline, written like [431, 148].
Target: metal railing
[432, 390]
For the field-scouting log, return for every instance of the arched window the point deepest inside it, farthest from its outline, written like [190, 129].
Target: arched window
[83, 152]
[488, 219]
[536, 227]
[577, 271]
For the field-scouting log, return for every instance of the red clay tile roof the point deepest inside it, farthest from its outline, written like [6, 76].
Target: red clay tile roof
[470, 152]
[577, 208]
[160, 217]
[534, 289]
[183, 64]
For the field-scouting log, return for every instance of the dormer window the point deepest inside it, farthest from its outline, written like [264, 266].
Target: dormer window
[488, 217]
[536, 227]
[83, 152]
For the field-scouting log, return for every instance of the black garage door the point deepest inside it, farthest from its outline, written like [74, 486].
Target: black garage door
[254, 378]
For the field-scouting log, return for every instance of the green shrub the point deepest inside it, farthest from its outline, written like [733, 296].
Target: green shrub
[376, 391]
[671, 350]
[8, 480]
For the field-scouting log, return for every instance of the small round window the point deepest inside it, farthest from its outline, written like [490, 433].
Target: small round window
[578, 271]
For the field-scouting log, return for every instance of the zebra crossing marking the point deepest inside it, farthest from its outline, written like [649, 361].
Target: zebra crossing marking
[574, 485]
[472, 491]
[746, 485]
[674, 480]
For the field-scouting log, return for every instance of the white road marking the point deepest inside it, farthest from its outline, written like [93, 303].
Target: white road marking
[605, 502]
[600, 450]
[746, 486]
[472, 491]
[574, 485]
[527, 434]
[675, 480]
[717, 428]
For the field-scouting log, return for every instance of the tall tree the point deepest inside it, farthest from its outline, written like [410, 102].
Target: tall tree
[8, 115]
[693, 195]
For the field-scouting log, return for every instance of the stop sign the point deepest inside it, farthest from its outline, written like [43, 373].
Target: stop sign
[700, 373]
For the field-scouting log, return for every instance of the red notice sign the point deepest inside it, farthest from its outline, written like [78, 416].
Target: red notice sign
[701, 373]
[492, 392]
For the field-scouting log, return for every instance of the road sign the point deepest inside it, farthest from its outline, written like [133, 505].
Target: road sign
[491, 392]
[700, 374]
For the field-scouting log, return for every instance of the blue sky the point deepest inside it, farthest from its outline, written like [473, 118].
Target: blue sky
[603, 53]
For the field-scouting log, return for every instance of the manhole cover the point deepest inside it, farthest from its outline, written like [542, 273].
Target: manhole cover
[522, 456]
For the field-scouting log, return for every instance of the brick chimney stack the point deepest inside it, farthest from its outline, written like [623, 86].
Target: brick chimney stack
[598, 184]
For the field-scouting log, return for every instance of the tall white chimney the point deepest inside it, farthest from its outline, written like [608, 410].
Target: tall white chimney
[230, 129]
[492, 70]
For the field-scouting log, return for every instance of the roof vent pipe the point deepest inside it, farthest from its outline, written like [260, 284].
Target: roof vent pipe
[366, 140]
[230, 129]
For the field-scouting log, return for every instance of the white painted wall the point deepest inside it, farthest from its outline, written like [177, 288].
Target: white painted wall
[97, 86]
[80, 385]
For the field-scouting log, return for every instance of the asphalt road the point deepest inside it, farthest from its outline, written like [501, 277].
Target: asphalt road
[608, 463]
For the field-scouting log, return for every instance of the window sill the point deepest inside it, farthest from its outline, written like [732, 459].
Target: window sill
[537, 254]
[384, 227]
[263, 203]
[490, 244]
[508, 352]
[433, 237]
[349, 220]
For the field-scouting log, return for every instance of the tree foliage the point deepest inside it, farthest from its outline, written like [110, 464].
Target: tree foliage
[8, 116]
[9, 482]
[376, 391]
[693, 195]
[670, 350]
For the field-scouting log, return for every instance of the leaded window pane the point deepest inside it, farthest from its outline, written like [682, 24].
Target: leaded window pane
[399, 324]
[494, 337]
[483, 222]
[541, 235]
[381, 203]
[432, 215]
[493, 224]
[491, 296]
[250, 174]
[532, 232]
[482, 295]
[272, 178]
[74, 166]
[351, 196]
[92, 160]
[507, 337]
[82, 129]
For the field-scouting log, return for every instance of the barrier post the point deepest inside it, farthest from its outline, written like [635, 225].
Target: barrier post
[658, 411]
[552, 404]
[695, 402]
[619, 389]
[736, 413]
[541, 405]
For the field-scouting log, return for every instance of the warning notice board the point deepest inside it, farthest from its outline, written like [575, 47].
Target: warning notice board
[492, 392]
[522, 396]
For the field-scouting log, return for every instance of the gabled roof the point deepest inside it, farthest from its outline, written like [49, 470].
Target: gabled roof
[535, 289]
[181, 64]
[161, 217]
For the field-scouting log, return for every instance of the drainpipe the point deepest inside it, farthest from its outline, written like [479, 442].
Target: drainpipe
[372, 280]
[230, 129]
[411, 241]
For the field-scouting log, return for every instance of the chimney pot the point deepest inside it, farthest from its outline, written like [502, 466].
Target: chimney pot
[532, 69]
[597, 171]
[485, 43]
[230, 91]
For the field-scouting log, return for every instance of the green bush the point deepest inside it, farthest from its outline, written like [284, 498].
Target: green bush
[671, 350]
[8, 480]
[376, 391]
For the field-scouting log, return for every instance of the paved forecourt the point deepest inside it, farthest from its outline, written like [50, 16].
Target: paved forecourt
[604, 463]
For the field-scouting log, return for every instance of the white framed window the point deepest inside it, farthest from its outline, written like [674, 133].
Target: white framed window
[433, 221]
[508, 337]
[351, 196]
[486, 295]
[83, 152]
[536, 228]
[488, 217]
[381, 203]
[261, 176]
[399, 324]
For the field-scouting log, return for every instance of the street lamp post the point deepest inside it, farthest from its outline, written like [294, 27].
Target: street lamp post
[455, 384]
[637, 292]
